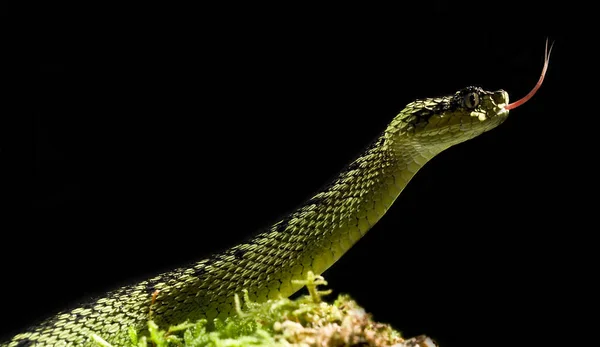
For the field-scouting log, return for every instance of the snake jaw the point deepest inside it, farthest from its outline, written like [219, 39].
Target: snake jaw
[502, 112]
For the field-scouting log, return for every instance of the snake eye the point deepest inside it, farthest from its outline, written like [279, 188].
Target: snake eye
[471, 100]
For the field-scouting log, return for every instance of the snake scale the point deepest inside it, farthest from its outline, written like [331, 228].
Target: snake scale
[311, 238]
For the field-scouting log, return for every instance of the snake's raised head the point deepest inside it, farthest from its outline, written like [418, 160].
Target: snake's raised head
[455, 118]
[438, 123]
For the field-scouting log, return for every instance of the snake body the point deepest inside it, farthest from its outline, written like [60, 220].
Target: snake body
[311, 238]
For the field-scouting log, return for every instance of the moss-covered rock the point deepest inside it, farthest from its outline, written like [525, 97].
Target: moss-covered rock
[306, 321]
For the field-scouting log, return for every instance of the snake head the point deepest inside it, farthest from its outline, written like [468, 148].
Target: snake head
[448, 120]
[438, 123]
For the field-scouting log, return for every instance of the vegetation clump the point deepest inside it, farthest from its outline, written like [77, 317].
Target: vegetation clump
[303, 322]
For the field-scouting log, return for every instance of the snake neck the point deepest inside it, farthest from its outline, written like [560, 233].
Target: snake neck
[319, 232]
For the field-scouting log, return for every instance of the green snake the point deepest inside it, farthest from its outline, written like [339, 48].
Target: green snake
[311, 238]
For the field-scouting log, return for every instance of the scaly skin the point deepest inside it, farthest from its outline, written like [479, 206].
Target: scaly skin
[311, 238]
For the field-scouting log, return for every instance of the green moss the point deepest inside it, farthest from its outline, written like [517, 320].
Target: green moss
[306, 321]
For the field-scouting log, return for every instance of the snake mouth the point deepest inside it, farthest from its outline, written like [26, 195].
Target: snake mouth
[497, 103]
[502, 112]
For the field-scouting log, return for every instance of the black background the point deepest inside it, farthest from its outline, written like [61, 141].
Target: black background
[168, 140]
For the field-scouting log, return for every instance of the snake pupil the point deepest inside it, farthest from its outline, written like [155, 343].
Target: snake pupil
[472, 100]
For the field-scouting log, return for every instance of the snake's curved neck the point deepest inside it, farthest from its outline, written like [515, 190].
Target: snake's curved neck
[311, 238]
[337, 217]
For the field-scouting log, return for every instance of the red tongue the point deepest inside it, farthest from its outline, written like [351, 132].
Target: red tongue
[537, 85]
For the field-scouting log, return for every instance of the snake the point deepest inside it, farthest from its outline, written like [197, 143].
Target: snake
[271, 263]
